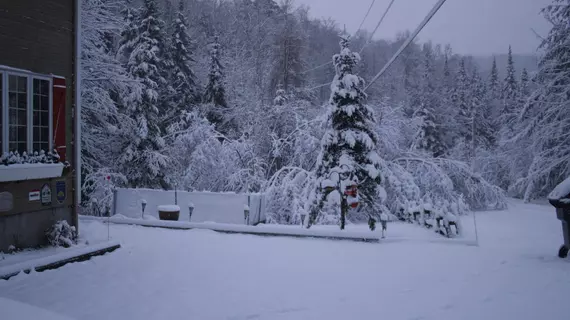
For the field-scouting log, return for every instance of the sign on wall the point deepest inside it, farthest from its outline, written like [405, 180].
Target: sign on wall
[60, 192]
[34, 195]
[46, 195]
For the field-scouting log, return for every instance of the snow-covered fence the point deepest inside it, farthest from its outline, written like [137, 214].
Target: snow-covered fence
[208, 206]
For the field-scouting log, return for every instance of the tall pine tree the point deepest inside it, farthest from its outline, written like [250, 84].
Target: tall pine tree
[182, 78]
[461, 101]
[142, 160]
[348, 148]
[509, 96]
[430, 137]
[215, 92]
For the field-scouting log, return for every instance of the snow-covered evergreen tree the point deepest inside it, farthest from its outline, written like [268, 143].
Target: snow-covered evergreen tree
[215, 92]
[348, 152]
[462, 103]
[142, 160]
[430, 137]
[546, 117]
[182, 78]
[509, 97]
[129, 33]
[524, 87]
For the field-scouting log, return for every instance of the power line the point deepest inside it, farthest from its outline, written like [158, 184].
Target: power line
[377, 25]
[365, 16]
[408, 41]
[359, 28]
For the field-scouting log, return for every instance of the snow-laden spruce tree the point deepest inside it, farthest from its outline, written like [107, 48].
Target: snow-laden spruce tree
[215, 92]
[462, 103]
[142, 159]
[509, 97]
[348, 149]
[430, 137]
[182, 78]
[546, 117]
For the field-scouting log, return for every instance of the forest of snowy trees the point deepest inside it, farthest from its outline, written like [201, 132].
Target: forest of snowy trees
[228, 96]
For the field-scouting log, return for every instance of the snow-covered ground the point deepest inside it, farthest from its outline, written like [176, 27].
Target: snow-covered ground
[201, 274]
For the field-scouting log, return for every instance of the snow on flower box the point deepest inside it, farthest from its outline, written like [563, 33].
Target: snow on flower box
[168, 212]
[30, 171]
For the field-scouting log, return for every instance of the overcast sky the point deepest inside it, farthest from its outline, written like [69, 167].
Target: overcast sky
[476, 27]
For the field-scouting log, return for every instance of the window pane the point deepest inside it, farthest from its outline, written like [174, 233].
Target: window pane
[13, 83]
[22, 84]
[45, 102]
[22, 134]
[44, 119]
[22, 100]
[36, 86]
[18, 114]
[41, 115]
[36, 136]
[22, 117]
[12, 99]
[44, 87]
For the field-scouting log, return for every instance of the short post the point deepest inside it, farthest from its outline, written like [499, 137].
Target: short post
[143, 205]
[190, 210]
[175, 194]
[303, 220]
[246, 214]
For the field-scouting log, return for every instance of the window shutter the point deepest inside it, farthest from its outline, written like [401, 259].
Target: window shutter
[59, 94]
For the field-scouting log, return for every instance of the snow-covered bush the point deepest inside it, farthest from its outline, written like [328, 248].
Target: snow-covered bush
[98, 188]
[61, 234]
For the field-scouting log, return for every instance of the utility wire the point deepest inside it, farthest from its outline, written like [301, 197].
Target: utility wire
[377, 25]
[408, 41]
[359, 28]
[365, 16]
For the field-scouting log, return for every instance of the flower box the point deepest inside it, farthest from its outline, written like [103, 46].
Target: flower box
[30, 171]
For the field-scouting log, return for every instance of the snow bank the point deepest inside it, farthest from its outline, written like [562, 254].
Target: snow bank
[208, 206]
[276, 230]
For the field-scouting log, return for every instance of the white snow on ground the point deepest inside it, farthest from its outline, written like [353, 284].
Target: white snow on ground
[201, 274]
[10, 309]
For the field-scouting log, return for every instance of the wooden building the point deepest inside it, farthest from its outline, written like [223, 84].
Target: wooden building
[38, 50]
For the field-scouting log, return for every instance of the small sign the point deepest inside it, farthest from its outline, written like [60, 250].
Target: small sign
[60, 191]
[34, 195]
[46, 195]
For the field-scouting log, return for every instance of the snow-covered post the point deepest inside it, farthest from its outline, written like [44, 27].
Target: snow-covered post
[143, 205]
[303, 216]
[246, 214]
[190, 210]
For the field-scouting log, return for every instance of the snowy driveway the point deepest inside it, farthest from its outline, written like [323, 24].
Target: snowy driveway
[172, 274]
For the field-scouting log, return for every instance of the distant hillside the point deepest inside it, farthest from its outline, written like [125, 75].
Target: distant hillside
[527, 61]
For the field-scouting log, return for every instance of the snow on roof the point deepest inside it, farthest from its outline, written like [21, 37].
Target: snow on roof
[561, 191]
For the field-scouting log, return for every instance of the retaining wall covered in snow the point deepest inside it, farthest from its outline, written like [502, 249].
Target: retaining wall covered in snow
[208, 206]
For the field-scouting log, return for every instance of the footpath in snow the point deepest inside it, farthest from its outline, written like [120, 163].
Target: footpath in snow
[201, 274]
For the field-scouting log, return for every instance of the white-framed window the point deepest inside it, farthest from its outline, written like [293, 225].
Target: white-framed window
[26, 111]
